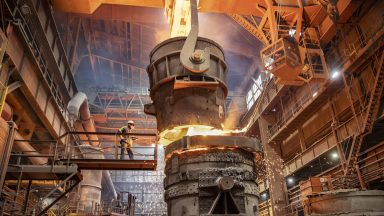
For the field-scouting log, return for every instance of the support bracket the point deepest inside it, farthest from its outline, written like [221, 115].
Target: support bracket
[195, 60]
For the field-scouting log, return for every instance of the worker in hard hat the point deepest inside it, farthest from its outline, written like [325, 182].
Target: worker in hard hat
[126, 141]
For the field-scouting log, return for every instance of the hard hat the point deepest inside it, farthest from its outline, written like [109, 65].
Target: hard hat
[130, 122]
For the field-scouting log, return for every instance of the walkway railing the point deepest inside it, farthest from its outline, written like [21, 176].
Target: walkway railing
[108, 155]
[291, 112]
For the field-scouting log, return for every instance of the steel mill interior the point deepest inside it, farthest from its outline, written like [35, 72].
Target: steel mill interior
[191, 107]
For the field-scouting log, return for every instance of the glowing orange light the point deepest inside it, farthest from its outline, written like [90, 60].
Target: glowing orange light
[176, 133]
[178, 152]
[178, 16]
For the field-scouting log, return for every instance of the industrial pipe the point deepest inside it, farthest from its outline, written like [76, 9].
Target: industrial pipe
[78, 107]
[22, 146]
[107, 180]
[7, 112]
[27, 149]
[90, 187]
[83, 137]
[6, 139]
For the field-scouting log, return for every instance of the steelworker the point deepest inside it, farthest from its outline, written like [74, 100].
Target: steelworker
[126, 141]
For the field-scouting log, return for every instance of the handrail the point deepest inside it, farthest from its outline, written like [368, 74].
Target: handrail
[295, 108]
[310, 148]
[71, 152]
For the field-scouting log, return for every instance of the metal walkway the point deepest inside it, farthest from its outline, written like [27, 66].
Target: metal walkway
[67, 157]
[112, 164]
[41, 172]
[76, 155]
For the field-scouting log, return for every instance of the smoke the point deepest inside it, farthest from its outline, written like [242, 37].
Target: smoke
[235, 110]
[242, 52]
[240, 47]
[212, 27]
[223, 30]
[161, 35]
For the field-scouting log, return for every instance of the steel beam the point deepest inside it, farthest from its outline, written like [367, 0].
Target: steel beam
[114, 134]
[274, 164]
[77, 181]
[57, 199]
[5, 153]
[116, 11]
[35, 88]
[112, 164]
[39, 172]
[53, 50]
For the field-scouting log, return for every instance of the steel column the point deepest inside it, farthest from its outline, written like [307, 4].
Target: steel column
[6, 152]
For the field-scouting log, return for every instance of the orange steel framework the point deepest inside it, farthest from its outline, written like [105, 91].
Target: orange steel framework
[260, 19]
[272, 22]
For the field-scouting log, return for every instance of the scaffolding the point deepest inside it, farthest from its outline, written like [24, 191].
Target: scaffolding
[65, 159]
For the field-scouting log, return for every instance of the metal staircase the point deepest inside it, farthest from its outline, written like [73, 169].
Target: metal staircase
[369, 119]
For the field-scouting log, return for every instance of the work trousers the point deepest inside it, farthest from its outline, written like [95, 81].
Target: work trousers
[129, 152]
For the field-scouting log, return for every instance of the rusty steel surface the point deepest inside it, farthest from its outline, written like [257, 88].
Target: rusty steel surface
[112, 164]
[171, 48]
[182, 97]
[205, 175]
[78, 109]
[7, 130]
[347, 202]
[90, 187]
[196, 142]
[216, 180]
[88, 6]
[40, 172]
[40, 63]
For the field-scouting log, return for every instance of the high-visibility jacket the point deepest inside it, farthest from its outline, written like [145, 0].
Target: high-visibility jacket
[127, 139]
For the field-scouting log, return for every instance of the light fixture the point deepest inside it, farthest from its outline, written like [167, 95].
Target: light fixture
[268, 63]
[335, 74]
[314, 94]
[290, 180]
[334, 155]
[292, 32]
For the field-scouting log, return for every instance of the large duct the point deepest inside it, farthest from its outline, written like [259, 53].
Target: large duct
[78, 107]
[21, 146]
[91, 185]
[7, 112]
[27, 149]
[108, 183]
[5, 148]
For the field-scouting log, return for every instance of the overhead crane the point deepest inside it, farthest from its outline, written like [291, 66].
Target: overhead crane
[292, 31]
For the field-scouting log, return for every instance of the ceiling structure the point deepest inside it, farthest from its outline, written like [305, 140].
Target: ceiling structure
[109, 52]
[325, 126]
